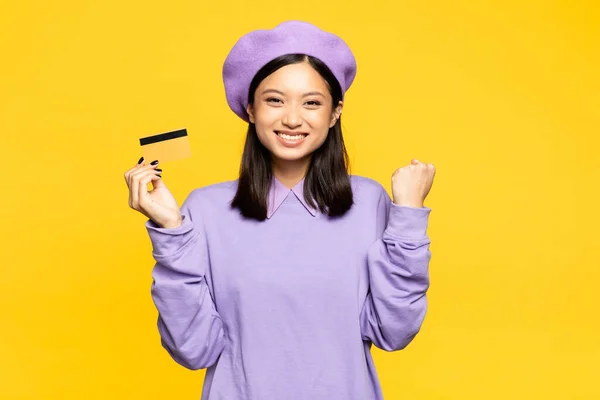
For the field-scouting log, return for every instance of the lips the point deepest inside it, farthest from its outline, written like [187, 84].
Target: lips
[290, 139]
[292, 133]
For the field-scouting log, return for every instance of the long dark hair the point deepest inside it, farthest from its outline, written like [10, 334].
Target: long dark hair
[327, 181]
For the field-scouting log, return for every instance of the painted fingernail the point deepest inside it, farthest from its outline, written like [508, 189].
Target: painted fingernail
[154, 162]
[140, 160]
[158, 169]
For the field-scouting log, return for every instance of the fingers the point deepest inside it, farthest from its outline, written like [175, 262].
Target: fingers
[139, 186]
[127, 177]
[139, 167]
[137, 179]
[136, 167]
[139, 164]
[158, 182]
[134, 183]
[415, 165]
[416, 162]
[142, 187]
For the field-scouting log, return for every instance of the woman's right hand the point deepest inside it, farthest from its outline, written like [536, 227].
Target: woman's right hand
[158, 204]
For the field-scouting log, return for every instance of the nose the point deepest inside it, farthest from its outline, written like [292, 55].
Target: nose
[292, 118]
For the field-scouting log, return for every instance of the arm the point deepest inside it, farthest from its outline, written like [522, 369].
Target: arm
[398, 276]
[190, 328]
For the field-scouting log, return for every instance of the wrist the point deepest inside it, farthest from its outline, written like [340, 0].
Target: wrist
[172, 225]
[405, 203]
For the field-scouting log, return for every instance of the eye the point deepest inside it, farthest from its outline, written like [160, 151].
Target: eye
[273, 100]
[313, 103]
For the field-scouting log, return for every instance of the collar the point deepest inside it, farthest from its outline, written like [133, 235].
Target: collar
[279, 192]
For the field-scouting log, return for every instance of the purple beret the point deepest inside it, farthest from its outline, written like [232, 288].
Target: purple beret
[255, 49]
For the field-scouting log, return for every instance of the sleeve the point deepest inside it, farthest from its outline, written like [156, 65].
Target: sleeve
[398, 264]
[190, 328]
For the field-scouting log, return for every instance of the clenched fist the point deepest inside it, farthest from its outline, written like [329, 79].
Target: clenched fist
[158, 204]
[411, 184]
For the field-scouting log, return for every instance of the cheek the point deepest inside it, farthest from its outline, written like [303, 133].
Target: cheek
[264, 135]
[267, 117]
[264, 131]
[319, 121]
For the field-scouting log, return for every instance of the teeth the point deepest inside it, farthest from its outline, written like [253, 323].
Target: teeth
[288, 137]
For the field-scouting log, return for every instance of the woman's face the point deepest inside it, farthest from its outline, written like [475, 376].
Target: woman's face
[292, 112]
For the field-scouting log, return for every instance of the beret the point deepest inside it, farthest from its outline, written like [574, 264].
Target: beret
[255, 49]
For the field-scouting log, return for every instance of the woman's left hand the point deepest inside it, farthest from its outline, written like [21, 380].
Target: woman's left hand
[411, 183]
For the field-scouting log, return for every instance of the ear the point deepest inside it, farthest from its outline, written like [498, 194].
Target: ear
[250, 111]
[335, 115]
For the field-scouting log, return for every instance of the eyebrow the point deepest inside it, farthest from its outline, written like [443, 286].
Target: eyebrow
[314, 93]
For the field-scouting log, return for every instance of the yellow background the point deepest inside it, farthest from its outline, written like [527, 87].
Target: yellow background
[503, 97]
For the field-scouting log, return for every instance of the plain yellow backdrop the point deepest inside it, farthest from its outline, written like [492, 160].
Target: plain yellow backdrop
[502, 96]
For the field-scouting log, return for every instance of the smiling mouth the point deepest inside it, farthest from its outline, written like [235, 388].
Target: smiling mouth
[291, 137]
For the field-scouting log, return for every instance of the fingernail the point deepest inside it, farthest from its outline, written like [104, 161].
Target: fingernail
[158, 169]
[140, 160]
[154, 162]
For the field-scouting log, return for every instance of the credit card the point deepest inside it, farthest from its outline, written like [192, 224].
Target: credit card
[169, 146]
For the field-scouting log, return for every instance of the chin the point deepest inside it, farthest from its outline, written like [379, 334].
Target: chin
[290, 154]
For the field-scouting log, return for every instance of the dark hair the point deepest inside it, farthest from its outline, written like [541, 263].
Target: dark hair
[327, 182]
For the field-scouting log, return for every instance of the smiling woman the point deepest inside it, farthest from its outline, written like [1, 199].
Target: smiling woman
[279, 282]
[294, 108]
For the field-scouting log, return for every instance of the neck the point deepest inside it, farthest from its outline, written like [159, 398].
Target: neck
[290, 172]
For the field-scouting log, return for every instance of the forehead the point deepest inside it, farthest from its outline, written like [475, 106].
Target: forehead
[299, 77]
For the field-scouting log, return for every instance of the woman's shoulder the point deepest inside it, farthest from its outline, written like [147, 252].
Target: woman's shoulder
[214, 193]
[366, 188]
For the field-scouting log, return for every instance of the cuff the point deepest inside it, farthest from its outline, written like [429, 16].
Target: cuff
[167, 241]
[408, 222]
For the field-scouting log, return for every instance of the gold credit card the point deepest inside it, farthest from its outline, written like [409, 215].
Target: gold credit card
[167, 146]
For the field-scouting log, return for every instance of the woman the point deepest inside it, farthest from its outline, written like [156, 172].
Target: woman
[279, 282]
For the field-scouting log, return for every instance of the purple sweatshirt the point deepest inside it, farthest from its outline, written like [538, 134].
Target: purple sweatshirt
[287, 308]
